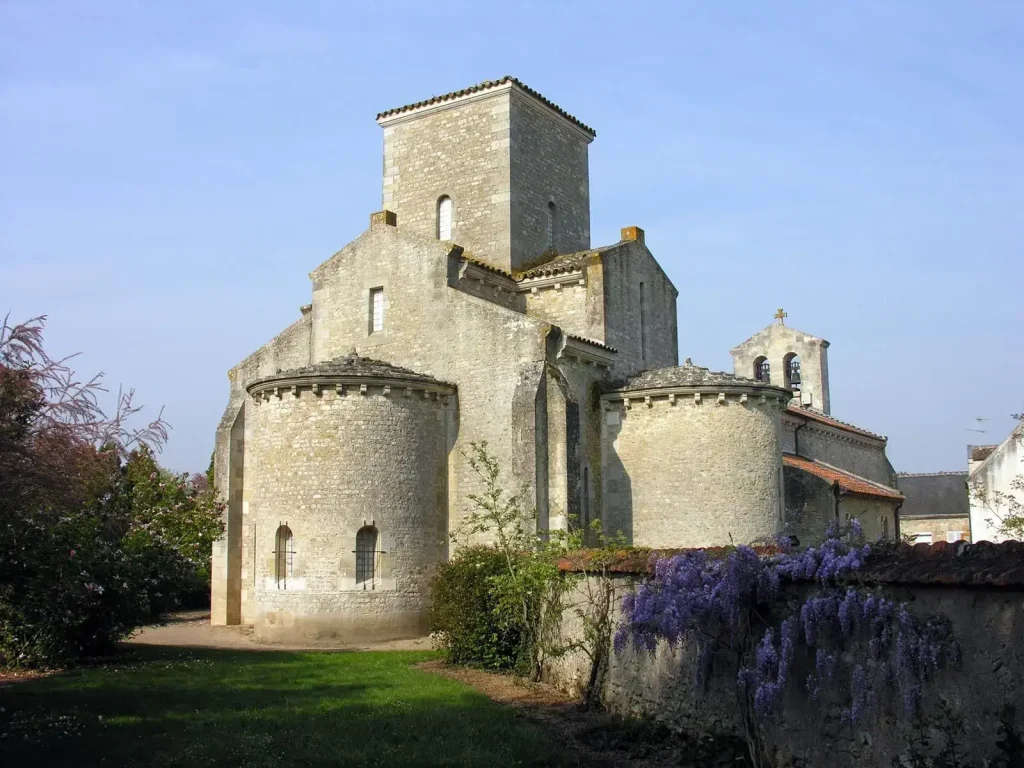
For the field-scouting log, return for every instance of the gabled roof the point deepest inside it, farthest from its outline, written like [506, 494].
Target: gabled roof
[487, 85]
[776, 328]
[806, 412]
[848, 482]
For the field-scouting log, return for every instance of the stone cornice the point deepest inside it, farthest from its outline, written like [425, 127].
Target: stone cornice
[473, 270]
[292, 385]
[558, 281]
[585, 351]
[696, 395]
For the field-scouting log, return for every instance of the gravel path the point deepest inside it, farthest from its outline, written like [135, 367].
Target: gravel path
[193, 629]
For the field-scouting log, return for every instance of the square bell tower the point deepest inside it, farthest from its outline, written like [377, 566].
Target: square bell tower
[495, 168]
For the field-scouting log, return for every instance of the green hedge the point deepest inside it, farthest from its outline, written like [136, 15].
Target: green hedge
[464, 612]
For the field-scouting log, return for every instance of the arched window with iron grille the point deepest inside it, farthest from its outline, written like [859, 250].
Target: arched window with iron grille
[366, 557]
[284, 556]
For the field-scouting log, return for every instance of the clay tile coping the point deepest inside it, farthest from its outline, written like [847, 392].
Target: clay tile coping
[945, 564]
[465, 256]
[640, 561]
[959, 564]
[484, 86]
[593, 342]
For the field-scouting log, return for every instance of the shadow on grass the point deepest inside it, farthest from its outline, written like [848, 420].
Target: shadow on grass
[194, 707]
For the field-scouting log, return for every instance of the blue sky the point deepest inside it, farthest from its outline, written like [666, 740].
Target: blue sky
[172, 172]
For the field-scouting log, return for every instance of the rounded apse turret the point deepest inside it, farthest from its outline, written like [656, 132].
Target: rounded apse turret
[345, 507]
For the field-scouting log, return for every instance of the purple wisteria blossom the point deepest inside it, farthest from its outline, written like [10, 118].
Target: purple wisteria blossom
[844, 631]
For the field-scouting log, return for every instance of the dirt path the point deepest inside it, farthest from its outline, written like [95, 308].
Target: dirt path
[193, 629]
[597, 739]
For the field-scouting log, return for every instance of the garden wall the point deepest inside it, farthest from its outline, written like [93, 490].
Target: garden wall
[979, 587]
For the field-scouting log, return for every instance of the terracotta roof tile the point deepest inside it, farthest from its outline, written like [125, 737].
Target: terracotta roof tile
[848, 482]
[982, 452]
[821, 418]
[563, 262]
[485, 264]
[595, 342]
[486, 85]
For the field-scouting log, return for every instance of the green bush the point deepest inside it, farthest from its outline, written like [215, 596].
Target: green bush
[464, 611]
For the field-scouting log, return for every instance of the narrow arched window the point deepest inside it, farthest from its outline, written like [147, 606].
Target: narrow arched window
[643, 323]
[284, 556]
[791, 366]
[586, 497]
[762, 369]
[366, 557]
[444, 218]
[552, 215]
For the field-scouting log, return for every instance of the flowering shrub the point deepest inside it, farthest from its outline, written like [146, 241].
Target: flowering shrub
[851, 638]
[95, 539]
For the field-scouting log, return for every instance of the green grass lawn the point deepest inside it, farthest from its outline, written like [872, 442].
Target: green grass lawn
[163, 707]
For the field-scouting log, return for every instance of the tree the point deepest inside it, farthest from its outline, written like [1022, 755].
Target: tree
[93, 542]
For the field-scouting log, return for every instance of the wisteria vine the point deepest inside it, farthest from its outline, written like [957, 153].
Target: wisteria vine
[848, 634]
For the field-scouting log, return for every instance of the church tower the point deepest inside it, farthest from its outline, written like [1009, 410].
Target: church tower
[495, 168]
[787, 358]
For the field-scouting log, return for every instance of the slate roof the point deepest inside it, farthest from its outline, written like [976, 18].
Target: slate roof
[942, 564]
[352, 365]
[484, 86]
[821, 418]
[934, 495]
[848, 482]
[686, 375]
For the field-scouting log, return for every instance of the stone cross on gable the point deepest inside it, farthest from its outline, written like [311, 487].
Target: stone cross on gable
[781, 316]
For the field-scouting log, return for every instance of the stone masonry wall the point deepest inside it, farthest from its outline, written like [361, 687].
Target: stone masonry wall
[289, 349]
[549, 164]
[860, 456]
[939, 528]
[692, 474]
[987, 622]
[494, 354]
[625, 268]
[462, 152]
[811, 509]
[326, 465]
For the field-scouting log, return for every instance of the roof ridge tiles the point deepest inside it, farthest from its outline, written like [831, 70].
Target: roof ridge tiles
[485, 86]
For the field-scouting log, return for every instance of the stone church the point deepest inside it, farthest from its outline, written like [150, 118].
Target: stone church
[475, 308]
